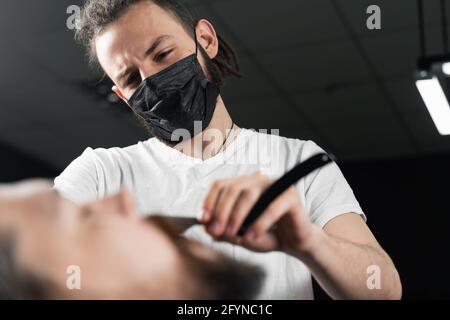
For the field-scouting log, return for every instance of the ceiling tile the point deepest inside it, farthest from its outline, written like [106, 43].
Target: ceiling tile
[269, 113]
[357, 121]
[107, 133]
[48, 102]
[306, 68]
[261, 24]
[58, 54]
[31, 18]
[396, 54]
[203, 12]
[10, 119]
[395, 15]
[252, 83]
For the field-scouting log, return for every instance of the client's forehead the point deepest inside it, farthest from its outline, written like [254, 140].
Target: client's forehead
[23, 202]
[23, 188]
[24, 197]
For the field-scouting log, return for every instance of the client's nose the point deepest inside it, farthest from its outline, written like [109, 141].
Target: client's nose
[121, 203]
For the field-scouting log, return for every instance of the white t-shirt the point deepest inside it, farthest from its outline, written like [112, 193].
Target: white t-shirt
[167, 181]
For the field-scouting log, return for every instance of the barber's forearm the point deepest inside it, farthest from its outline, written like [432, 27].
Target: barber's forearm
[340, 267]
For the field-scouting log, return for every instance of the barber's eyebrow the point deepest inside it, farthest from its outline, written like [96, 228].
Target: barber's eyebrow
[156, 43]
[122, 75]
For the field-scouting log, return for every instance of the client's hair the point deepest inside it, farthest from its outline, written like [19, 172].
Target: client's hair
[16, 283]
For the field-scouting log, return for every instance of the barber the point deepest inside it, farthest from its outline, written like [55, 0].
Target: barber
[169, 69]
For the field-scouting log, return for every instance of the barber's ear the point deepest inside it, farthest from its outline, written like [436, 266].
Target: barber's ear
[119, 93]
[207, 37]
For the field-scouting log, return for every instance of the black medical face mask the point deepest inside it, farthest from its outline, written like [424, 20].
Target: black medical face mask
[176, 98]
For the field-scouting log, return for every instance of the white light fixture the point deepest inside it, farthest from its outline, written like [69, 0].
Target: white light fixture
[432, 78]
[446, 68]
[436, 102]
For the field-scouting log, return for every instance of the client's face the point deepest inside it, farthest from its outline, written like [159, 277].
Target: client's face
[119, 254]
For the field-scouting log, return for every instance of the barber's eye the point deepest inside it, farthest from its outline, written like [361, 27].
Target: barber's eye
[161, 56]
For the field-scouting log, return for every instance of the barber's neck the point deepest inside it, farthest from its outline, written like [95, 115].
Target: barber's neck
[215, 138]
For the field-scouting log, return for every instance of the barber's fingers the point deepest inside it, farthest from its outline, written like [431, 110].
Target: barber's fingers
[277, 209]
[211, 199]
[222, 209]
[265, 243]
[220, 202]
[258, 237]
[226, 200]
[217, 187]
[240, 211]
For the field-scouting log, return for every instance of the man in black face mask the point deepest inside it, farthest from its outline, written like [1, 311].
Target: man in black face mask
[169, 69]
[175, 98]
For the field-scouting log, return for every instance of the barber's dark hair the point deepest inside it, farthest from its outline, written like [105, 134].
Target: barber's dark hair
[98, 14]
[16, 283]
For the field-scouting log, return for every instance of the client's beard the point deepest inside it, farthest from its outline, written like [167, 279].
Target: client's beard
[225, 279]
[218, 277]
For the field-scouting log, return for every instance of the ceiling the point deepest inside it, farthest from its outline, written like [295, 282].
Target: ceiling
[311, 69]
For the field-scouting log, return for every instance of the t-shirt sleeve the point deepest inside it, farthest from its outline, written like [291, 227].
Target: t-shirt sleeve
[79, 181]
[327, 192]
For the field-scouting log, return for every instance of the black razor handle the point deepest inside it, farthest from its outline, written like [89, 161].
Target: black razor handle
[278, 187]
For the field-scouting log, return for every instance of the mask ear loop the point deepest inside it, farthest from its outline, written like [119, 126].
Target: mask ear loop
[196, 42]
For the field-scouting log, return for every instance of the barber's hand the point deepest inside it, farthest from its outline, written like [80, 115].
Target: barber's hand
[229, 202]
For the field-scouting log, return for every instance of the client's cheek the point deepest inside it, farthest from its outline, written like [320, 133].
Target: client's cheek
[202, 252]
[153, 248]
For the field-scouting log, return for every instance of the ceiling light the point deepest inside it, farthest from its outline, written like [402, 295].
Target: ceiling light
[433, 72]
[446, 68]
[436, 102]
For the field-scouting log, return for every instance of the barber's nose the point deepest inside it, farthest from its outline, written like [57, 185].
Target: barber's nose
[144, 74]
[147, 70]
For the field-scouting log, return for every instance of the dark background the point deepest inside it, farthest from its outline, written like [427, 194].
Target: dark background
[311, 68]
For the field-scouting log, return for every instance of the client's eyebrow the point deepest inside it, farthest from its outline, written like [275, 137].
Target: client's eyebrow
[121, 77]
[166, 225]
